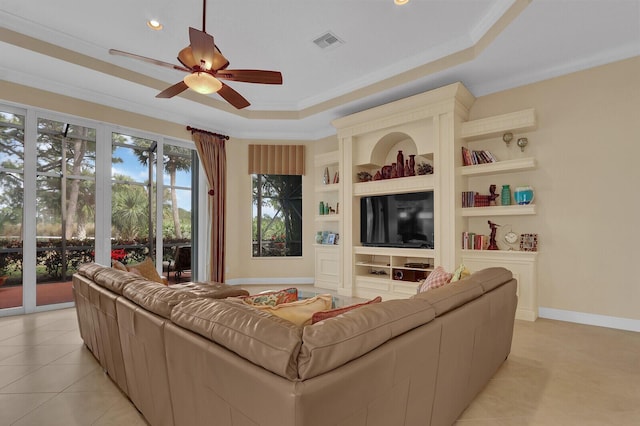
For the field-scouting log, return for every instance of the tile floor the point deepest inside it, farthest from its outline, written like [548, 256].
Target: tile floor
[557, 374]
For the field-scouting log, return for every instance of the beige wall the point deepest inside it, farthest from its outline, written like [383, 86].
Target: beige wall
[241, 267]
[587, 186]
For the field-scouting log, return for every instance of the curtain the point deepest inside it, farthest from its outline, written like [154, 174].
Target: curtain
[211, 150]
[276, 159]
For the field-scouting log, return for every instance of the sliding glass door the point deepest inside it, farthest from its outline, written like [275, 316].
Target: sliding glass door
[74, 191]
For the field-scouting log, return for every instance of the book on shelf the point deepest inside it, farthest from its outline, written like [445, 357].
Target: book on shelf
[472, 157]
[473, 241]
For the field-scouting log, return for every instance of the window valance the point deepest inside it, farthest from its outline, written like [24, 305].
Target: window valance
[276, 159]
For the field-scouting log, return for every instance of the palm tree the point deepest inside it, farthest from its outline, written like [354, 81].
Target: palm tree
[175, 159]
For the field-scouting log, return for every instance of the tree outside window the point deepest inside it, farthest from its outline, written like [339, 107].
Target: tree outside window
[277, 215]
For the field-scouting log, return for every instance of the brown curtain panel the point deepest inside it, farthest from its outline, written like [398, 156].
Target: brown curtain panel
[276, 159]
[212, 155]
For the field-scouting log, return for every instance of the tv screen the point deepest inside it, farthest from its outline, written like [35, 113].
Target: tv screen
[397, 220]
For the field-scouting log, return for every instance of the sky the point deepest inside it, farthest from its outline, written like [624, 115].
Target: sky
[130, 166]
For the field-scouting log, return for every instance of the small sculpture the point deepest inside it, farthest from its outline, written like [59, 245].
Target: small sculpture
[493, 245]
[493, 196]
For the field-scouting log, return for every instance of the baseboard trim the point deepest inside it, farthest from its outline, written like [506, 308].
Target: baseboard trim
[590, 319]
[271, 281]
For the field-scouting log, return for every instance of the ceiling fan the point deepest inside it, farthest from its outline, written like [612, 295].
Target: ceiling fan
[206, 67]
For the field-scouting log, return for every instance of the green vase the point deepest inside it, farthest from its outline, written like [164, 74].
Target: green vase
[505, 195]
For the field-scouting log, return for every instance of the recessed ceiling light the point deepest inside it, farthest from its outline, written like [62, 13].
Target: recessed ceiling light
[154, 25]
[401, 2]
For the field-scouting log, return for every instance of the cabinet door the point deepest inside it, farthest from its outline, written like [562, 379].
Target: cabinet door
[327, 268]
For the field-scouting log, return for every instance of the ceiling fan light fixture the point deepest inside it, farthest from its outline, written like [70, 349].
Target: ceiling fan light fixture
[401, 2]
[203, 82]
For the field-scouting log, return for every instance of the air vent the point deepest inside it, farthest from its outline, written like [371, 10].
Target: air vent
[328, 40]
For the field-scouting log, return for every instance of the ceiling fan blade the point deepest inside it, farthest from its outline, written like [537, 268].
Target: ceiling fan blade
[202, 47]
[251, 76]
[170, 92]
[233, 97]
[145, 59]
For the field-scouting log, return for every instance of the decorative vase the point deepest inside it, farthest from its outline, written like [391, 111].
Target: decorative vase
[412, 165]
[386, 172]
[319, 237]
[400, 164]
[523, 195]
[394, 170]
[407, 170]
[505, 195]
[325, 178]
[377, 176]
[321, 208]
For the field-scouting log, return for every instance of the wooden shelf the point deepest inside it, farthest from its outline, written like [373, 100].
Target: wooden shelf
[520, 121]
[506, 166]
[419, 183]
[328, 217]
[332, 187]
[515, 210]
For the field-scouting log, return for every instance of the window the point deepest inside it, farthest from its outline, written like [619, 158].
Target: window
[11, 205]
[132, 198]
[65, 203]
[277, 215]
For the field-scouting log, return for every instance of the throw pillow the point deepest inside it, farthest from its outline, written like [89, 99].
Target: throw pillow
[146, 269]
[460, 273]
[118, 265]
[301, 311]
[272, 298]
[437, 278]
[323, 315]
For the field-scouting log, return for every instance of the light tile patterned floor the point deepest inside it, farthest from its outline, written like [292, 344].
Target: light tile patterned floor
[557, 374]
[48, 377]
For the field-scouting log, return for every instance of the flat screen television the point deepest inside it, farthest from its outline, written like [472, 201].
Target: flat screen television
[397, 220]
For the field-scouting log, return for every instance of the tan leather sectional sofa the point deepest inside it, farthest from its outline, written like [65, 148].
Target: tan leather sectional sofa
[186, 356]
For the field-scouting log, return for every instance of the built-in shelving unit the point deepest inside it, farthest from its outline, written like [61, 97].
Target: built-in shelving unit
[327, 256]
[521, 263]
[392, 273]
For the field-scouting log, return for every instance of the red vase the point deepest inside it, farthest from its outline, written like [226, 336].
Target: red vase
[400, 164]
[407, 170]
[412, 165]
[394, 171]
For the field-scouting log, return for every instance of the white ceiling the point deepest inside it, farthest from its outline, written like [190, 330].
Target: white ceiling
[389, 52]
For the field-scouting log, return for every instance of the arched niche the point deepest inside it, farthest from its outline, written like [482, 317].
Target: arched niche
[386, 149]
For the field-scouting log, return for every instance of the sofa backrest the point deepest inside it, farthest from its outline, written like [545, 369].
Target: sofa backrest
[155, 297]
[262, 338]
[333, 342]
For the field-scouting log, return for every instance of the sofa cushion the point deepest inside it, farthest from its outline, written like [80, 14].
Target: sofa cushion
[449, 297]
[437, 278]
[256, 335]
[115, 264]
[323, 315]
[89, 270]
[331, 343]
[147, 270]
[212, 290]
[460, 273]
[114, 280]
[301, 311]
[155, 297]
[272, 298]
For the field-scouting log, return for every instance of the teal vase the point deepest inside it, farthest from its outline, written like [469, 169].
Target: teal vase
[505, 195]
